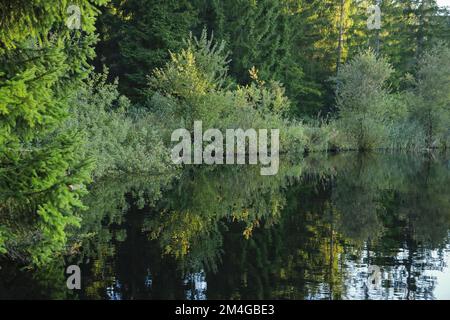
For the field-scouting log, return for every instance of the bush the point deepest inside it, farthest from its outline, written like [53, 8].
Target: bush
[431, 104]
[116, 141]
[194, 86]
[363, 100]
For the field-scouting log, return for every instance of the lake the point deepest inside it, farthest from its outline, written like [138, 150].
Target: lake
[346, 226]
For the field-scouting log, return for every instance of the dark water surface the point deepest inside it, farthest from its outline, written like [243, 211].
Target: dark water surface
[349, 226]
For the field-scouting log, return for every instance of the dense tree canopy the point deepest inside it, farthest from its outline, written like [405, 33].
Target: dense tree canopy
[311, 68]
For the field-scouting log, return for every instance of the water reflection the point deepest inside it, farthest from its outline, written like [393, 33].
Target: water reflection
[329, 227]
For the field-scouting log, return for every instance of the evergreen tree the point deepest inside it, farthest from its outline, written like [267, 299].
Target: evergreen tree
[408, 28]
[260, 34]
[42, 61]
[318, 48]
[136, 37]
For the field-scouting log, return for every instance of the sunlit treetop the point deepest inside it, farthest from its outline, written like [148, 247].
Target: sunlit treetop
[36, 18]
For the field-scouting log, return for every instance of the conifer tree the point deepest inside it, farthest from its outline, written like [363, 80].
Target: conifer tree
[408, 28]
[261, 34]
[43, 58]
[136, 37]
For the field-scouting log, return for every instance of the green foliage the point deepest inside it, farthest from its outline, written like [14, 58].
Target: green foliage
[323, 136]
[136, 37]
[115, 139]
[3, 236]
[269, 43]
[295, 42]
[431, 105]
[190, 87]
[363, 99]
[194, 85]
[42, 175]
[371, 116]
[53, 126]
[36, 19]
[408, 28]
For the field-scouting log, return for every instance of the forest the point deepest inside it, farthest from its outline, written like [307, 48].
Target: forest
[91, 91]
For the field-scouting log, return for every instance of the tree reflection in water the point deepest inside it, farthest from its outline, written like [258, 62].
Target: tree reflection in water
[350, 226]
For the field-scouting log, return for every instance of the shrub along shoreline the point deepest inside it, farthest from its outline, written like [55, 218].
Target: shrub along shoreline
[194, 85]
[119, 137]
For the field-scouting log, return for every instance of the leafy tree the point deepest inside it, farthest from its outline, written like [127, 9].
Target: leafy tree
[431, 105]
[363, 99]
[195, 85]
[116, 138]
[408, 28]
